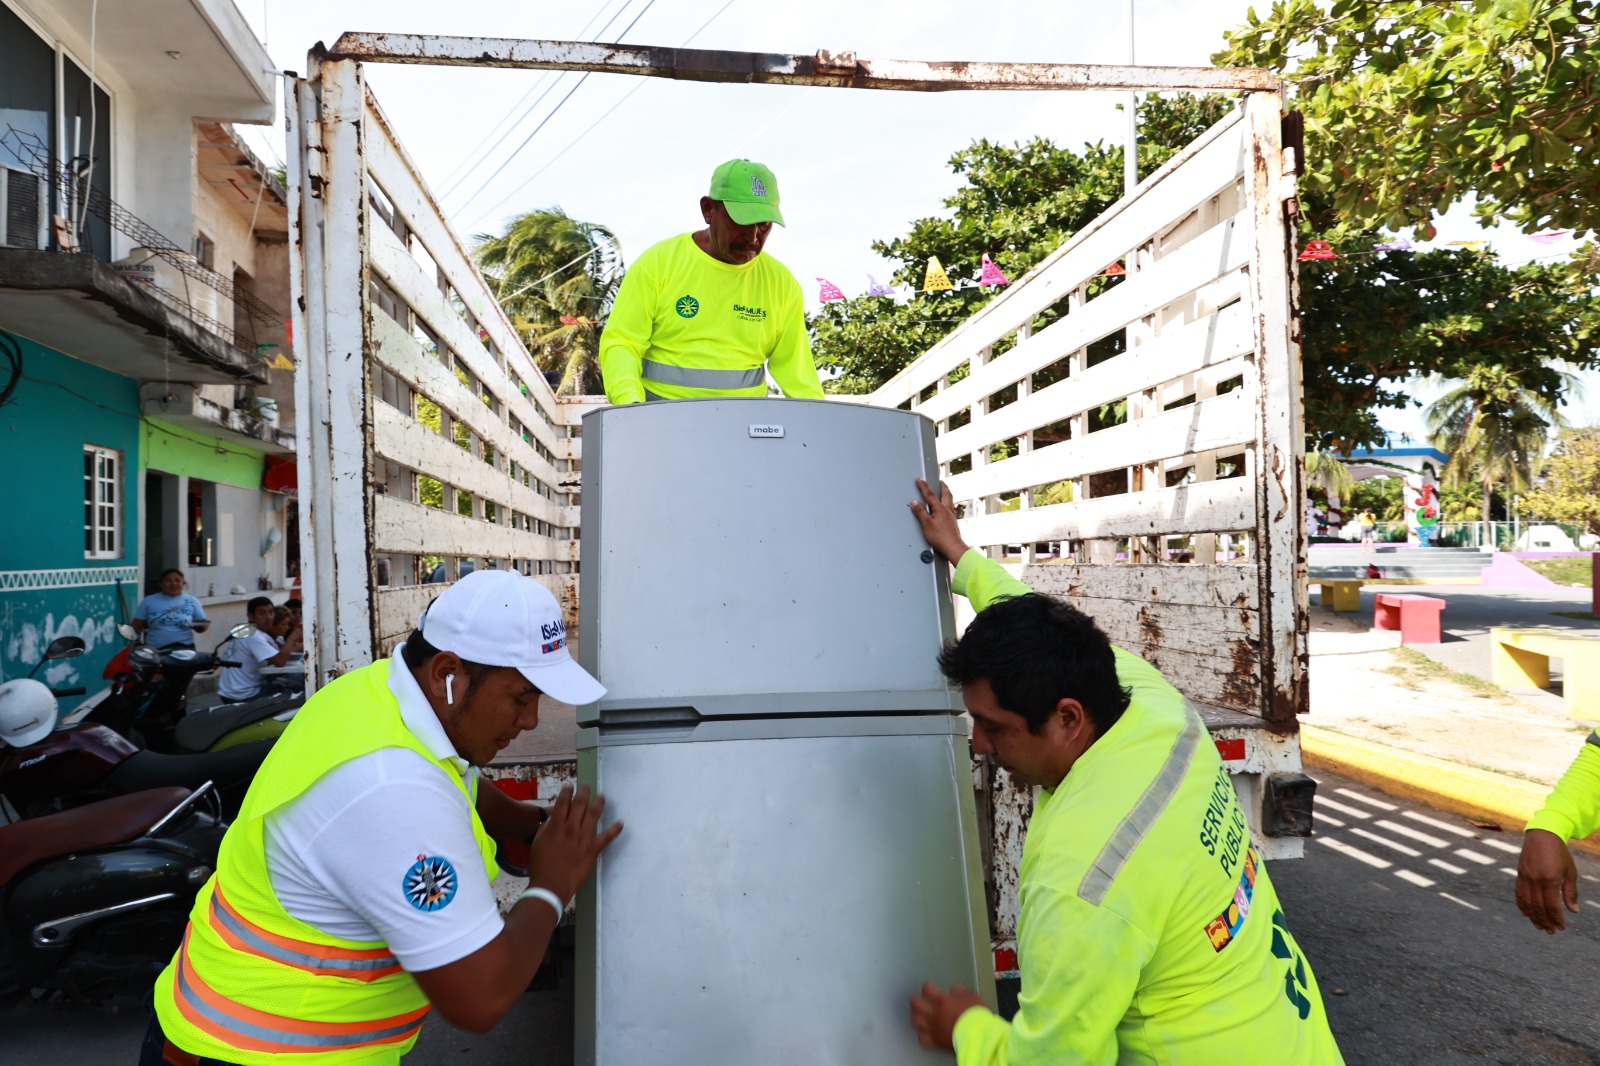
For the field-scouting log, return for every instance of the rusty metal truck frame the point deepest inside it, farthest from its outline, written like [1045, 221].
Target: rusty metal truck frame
[410, 374]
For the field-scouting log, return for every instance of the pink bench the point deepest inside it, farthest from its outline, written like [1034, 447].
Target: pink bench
[1416, 617]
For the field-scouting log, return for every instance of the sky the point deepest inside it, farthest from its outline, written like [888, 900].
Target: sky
[635, 154]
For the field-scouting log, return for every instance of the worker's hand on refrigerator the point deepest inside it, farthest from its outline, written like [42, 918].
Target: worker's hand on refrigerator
[937, 517]
[568, 844]
[935, 1012]
[1546, 878]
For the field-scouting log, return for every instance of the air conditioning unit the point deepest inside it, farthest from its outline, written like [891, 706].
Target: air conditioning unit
[23, 212]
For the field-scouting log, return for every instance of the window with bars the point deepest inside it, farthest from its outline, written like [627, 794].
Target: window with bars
[102, 503]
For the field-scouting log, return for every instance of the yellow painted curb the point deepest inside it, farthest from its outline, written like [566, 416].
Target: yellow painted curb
[1463, 790]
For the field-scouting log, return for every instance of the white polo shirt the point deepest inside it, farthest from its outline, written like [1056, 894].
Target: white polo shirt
[347, 856]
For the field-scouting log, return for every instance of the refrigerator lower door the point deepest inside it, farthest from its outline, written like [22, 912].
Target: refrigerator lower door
[781, 889]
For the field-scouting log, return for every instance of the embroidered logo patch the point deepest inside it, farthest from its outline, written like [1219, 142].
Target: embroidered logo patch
[1224, 927]
[750, 314]
[756, 186]
[431, 883]
[687, 307]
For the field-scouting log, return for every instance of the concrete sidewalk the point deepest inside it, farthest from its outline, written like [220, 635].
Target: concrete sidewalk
[1413, 729]
[1472, 610]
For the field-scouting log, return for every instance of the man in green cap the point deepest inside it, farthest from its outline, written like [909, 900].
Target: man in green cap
[706, 314]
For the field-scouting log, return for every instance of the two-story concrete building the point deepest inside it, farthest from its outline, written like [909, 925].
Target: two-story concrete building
[145, 386]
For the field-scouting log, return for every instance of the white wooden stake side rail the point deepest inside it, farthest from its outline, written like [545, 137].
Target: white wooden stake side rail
[398, 323]
[1181, 538]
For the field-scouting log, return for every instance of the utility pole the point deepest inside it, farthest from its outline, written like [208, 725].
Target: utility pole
[1130, 159]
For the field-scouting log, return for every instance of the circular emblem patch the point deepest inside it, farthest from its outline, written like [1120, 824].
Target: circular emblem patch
[431, 883]
[688, 307]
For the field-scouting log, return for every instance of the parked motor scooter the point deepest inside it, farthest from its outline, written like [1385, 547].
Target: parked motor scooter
[47, 766]
[94, 900]
[148, 702]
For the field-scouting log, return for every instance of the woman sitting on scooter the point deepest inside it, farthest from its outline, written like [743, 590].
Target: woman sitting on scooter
[171, 617]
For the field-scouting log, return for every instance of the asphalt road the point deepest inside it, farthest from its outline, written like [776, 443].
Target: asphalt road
[1405, 913]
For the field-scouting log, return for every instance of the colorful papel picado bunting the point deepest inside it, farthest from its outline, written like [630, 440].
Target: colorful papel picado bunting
[936, 280]
[830, 291]
[992, 275]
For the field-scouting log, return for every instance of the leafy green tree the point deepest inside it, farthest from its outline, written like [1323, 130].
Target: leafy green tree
[1372, 323]
[1493, 429]
[1414, 105]
[1570, 488]
[555, 276]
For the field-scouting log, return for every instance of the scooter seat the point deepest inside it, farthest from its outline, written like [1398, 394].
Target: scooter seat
[231, 769]
[94, 825]
[200, 729]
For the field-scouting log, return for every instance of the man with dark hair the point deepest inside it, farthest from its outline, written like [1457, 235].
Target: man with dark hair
[170, 618]
[351, 895]
[1149, 931]
[243, 682]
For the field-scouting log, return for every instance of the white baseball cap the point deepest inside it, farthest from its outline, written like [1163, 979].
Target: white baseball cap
[500, 618]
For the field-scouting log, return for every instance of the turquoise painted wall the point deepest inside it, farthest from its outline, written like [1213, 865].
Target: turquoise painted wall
[47, 588]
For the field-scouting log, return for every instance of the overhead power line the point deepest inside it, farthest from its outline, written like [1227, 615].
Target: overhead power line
[451, 180]
[544, 121]
[642, 83]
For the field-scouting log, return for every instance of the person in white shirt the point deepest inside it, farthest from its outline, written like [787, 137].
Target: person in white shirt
[243, 682]
[369, 827]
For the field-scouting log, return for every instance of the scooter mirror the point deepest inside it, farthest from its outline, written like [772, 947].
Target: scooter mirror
[65, 648]
[242, 630]
[127, 632]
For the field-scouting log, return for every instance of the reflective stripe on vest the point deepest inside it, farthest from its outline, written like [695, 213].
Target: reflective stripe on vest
[254, 1030]
[323, 959]
[698, 378]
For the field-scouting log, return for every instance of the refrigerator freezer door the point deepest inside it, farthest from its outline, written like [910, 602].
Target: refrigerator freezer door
[778, 901]
[758, 557]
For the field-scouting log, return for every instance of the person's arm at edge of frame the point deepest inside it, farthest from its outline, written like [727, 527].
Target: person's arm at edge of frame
[475, 992]
[198, 623]
[1547, 876]
[977, 577]
[790, 363]
[626, 336]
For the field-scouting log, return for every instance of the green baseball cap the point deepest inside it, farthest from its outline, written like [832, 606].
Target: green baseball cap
[748, 190]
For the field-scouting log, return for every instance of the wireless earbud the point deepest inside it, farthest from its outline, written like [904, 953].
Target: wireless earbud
[449, 690]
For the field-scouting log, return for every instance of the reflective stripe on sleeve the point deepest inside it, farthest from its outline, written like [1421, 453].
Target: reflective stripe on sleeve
[357, 964]
[249, 1029]
[700, 378]
[1136, 823]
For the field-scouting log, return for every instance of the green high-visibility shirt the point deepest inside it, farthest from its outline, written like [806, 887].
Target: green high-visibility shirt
[687, 326]
[1149, 931]
[1573, 809]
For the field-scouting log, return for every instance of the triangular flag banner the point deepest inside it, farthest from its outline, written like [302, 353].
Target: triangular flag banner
[992, 275]
[1471, 246]
[874, 289]
[1319, 250]
[936, 279]
[1550, 238]
[1401, 245]
[281, 362]
[1113, 271]
[830, 291]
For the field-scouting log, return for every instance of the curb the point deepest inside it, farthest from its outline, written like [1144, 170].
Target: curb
[1465, 790]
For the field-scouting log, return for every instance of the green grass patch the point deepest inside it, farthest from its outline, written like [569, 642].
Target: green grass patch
[1416, 671]
[1574, 570]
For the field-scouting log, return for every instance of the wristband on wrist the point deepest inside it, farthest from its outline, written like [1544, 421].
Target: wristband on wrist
[547, 896]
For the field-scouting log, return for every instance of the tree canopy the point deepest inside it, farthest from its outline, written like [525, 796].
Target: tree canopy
[1415, 105]
[555, 276]
[1570, 488]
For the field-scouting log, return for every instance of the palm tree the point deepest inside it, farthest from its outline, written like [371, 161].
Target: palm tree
[1493, 429]
[1327, 471]
[555, 277]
